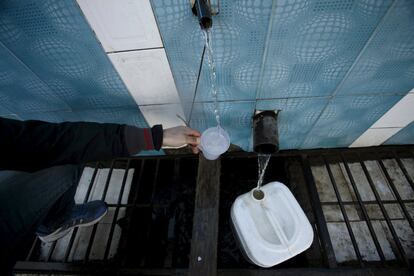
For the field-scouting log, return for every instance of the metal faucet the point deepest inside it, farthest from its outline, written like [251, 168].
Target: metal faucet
[202, 9]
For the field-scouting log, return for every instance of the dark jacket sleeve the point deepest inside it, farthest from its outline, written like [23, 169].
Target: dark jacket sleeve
[34, 145]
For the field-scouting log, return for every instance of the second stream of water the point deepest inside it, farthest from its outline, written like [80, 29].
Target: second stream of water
[263, 161]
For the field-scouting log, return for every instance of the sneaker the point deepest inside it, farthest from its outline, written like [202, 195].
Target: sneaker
[81, 215]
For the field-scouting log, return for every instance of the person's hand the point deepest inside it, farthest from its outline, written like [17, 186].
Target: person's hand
[180, 136]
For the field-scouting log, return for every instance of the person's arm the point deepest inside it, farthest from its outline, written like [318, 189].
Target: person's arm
[177, 137]
[33, 145]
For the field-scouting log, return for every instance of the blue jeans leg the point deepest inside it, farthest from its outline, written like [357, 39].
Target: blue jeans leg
[28, 200]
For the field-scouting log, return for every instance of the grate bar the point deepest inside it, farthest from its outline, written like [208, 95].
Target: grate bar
[29, 256]
[341, 205]
[154, 184]
[404, 170]
[52, 248]
[136, 180]
[113, 224]
[369, 202]
[384, 212]
[141, 172]
[75, 231]
[320, 218]
[176, 168]
[92, 237]
[397, 195]
[364, 211]
[168, 261]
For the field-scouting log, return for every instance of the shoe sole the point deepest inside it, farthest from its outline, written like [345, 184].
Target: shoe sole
[57, 234]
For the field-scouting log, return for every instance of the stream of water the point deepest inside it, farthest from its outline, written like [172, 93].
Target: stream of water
[262, 160]
[213, 76]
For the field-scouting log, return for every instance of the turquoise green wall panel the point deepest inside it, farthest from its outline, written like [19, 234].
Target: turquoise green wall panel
[327, 65]
[52, 67]
[386, 65]
[346, 118]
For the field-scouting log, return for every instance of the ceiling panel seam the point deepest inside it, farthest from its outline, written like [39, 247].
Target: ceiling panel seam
[339, 86]
[135, 50]
[263, 63]
[168, 58]
[32, 72]
[196, 87]
[398, 117]
[265, 51]
[103, 49]
[400, 133]
[115, 54]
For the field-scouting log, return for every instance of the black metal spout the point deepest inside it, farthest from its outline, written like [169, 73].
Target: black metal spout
[202, 9]
[265, 133]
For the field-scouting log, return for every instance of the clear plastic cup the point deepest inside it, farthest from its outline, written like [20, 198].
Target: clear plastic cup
[214, 142]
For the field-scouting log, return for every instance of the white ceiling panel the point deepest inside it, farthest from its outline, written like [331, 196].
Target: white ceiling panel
[122, 24]
[163, 114]
[400, 115]
[374, 137]
[147, 75]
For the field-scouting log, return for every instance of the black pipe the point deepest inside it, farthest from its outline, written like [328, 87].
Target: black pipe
[265, 133]
[203, 11]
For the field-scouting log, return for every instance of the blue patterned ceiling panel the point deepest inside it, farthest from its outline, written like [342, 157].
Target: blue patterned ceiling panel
[405, 136]
[346, 118]
[313, 44]
[53, 68]
[386, 65]
[22, 90]
[305, 58]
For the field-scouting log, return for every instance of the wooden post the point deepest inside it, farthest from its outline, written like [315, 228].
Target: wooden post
[203, 257]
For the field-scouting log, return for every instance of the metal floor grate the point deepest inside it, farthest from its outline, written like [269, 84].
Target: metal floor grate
[359, 201]
[135, 190]
[368, 204]
[101, 241]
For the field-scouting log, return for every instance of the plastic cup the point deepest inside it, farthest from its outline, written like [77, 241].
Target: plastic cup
[214, 142]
